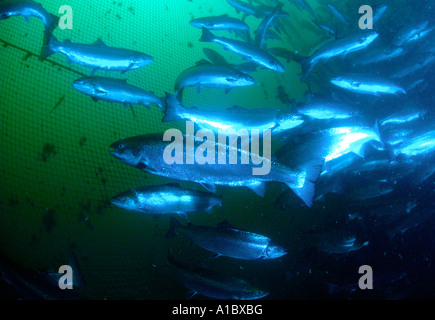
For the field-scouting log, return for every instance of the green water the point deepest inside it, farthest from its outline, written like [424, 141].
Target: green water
[57, 175]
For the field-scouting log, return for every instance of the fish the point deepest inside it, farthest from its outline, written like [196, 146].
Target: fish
[283, 53]
[379, 12]
[341, 47]
[338, 14]
[305, 6]
[215, 285]
[260, 33]
[97, 56]
[327, 28]
[330, 144]
[326, 111]
[166, 199]
[31, 284]
[380, 54]
[404, 116]
[419, 145]
[248, 51]
[217, 59]
[259, 11]
[145, 152]
[223, 22]
[211, 76]
[28, 9]
[336, 241]
[116, 90]
[367, 85]
[235, 118]
[228, 241]
[405, 71]
[408, 34]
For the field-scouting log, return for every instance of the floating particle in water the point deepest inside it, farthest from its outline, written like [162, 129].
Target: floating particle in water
[27, 56]
[48, 150]
[49, 220]
[82, 141]
[190, 44]
[58, 102]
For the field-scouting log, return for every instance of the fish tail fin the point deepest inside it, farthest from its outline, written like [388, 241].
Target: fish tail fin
[179, 94]
[307, 67]
[173, 224]
[376, 129]
[207, 36]
[312, 169]
[53, 24]
[161, 104]
[172, 106]
[48, 42]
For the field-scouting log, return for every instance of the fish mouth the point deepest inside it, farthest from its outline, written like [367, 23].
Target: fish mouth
[115, 154]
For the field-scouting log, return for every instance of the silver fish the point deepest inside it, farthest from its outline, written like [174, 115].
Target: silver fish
[223, 22]
[338, 14]
[116, 90]
[342, 47]
[246, 50]
[235, 118]
[367, 85]
[211, 76]
[97, 56]
[28, 9]
[166, 199]
[226, 240]
[146, 152]
[215, 285]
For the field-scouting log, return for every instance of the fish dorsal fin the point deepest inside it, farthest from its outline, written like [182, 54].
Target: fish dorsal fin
[237, 109]
[100, 42]
[209, 187]
[202, 62]
[173, 184]
[226, 225]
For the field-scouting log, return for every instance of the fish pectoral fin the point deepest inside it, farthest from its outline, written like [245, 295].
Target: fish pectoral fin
[227, 90]
[100, 42]
[94, 99]
[226, 225]
[258, 187]
[209, 187]
[183, 215]
[359, 151]
[128, 69]
[191, 294]
[215, 255]
[209, 210]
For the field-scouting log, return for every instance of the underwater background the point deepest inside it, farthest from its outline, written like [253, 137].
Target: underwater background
[57, 176]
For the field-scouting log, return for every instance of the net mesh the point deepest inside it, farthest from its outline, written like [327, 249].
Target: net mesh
[57, 175]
